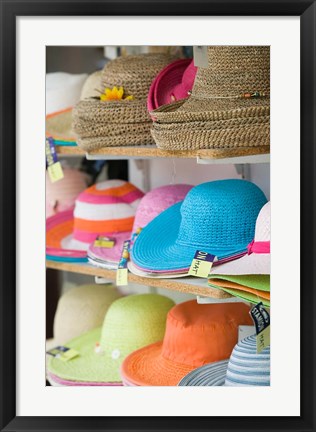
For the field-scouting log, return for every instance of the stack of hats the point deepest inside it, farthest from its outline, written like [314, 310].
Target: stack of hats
[229, 108]
[106, 209]
[195, 335]
[130, 323]
[245, 368]
[61, 195]
[151, 205]
[119, 116]
[62, 93]
[248, 277]
[217, 217]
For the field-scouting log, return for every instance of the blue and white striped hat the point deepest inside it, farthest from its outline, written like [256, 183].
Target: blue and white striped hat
[244, 368]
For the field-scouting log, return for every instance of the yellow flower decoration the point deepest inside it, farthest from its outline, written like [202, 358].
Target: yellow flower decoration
[114, 94]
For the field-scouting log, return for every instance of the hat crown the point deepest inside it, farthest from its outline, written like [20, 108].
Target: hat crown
[82, 309]
[219, 214]
[234, 70]
[156, 201]
[105, 208]
[198, 334]
[247, 367]
[263, 224]
[133, 322]
[134, 72]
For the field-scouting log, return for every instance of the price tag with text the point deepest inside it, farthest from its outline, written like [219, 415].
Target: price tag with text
[122, 271]
[201, 264]
[54, 167]
[63, 353]
[261, 319]
[104, 242]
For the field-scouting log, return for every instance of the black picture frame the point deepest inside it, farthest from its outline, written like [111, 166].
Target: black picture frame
[9, 11]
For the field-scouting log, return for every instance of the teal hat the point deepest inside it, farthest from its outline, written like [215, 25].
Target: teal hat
[217, 217]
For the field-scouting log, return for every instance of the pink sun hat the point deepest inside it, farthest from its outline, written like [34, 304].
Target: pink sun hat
[151, 205]
[61, 195]
[105, 209]
[172, 83]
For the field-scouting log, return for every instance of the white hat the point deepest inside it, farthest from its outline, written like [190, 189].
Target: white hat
[257, 261]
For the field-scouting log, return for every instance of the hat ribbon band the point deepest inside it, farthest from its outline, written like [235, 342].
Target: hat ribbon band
[259, 247]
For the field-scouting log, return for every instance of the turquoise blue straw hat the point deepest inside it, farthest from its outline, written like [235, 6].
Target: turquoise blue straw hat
[245, 368]
[217, 217]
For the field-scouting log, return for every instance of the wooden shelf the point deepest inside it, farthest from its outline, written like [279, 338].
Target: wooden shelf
[189, 285]
[255, 154]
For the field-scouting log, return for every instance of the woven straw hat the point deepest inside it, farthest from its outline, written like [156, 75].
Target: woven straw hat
[81, 309]
[251, 288]
[129, 324]
[218, 115]
[61, 195]
[245, 368]
[216, 217]
[257, 261]
[100, 123]
[105, 209]
[195, 335]
[62, 93]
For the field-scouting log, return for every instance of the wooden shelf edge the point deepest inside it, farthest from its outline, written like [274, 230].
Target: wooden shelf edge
[154, 152]
[188, 285]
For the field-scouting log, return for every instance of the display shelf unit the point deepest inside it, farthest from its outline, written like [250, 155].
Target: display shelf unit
[233, 156]
[188, 285]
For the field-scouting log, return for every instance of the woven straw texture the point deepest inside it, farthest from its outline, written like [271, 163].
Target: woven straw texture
[231, 71]
[255, 263]
[216, 217]
[127, 122]
[195, 335]
[82, 309]
[130, 323]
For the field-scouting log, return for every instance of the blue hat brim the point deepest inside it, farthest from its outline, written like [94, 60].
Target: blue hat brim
[156, 247]
[210, 375]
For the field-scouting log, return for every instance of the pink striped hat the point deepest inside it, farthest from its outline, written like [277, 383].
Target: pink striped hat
[105, 209]
[61, 195]
[172, 83]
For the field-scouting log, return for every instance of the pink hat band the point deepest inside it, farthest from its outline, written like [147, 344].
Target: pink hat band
[259, 247]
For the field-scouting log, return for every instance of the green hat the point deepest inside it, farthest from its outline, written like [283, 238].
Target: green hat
[130, 323]
[251, 288]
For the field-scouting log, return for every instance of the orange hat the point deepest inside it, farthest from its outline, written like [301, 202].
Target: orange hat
[196, 334]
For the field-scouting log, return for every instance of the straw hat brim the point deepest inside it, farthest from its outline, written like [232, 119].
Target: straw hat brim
[212, 374]
[58, 126]
[88, 366]
[248, 264]
[196, 109]
[147, 367]
[156, 247]
[244, 295]
[61, 244]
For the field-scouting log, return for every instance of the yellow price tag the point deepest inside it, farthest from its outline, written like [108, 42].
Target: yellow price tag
[121, 277]
[201, 264]
[263, 339]
[55, 172]
[104, 242]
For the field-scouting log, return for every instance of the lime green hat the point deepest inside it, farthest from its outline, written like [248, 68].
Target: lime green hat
[130, 323]
[251, 288]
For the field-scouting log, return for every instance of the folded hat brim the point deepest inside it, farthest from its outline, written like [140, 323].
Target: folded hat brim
[137, 271]
[57, 382]
[248, 264]
[156, 247]
[147, 367]
[88, 366]
[58, 126]
[212, 374]
[246, 296]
